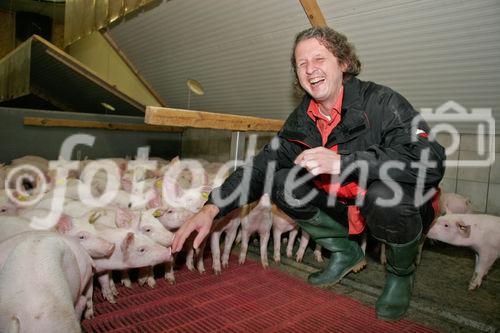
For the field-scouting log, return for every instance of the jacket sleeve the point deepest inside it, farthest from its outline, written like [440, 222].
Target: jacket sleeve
[246, 183]
[404, 140]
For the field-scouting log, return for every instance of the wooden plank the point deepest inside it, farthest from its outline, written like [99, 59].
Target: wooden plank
[313, 13]
[199, 119]
[57, 122]
[7, 32]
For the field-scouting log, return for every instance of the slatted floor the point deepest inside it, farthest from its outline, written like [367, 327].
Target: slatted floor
[245, 298]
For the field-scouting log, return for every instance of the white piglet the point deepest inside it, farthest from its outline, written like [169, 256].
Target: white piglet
[44, 298]
[453, 203]
[481, 232]
[259, 220]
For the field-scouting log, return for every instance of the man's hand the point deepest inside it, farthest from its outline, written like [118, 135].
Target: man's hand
[201, 222]
[319, 160]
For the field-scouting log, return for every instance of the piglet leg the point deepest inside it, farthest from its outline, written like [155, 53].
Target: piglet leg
[483, 264]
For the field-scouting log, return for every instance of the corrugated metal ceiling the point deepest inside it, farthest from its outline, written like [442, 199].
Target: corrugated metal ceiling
[430, 51]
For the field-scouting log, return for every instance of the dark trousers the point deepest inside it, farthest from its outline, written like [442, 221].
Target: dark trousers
[399, 223]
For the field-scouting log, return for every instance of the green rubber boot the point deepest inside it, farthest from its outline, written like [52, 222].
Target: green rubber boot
[346, 255]
[395, 299]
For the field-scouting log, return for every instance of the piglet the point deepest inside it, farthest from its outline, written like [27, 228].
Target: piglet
[229, 225]
[144, 222]
[453, 203]
[283, 223]
[172, 218]
[258, 220]
[481, 232]
[7, 207]
[45, 283]
[12, 225]
[132, 250]
[78, 228]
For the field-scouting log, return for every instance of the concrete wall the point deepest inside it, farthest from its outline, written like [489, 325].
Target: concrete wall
[18, 140]
[215, 145]
[208, 144]
[481, 184]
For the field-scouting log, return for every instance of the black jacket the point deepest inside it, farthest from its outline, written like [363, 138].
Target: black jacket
[377, 125]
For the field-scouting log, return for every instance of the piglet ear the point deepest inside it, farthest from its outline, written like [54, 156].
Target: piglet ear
[124, 218]
[463, 229]
[126, 184]
[64, 225]
[127, 241]
[176, 159]
[155, 201]
[206, 189]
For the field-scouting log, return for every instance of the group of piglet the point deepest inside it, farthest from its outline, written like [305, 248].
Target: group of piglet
[63, 222]
[459, 226]
[60, 228]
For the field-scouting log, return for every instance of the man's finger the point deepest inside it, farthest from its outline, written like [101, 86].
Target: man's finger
[307, 154]
[299, 158]
[176, 238]
[180, 237]
[311, 164]
[199, 238]
[317, 171]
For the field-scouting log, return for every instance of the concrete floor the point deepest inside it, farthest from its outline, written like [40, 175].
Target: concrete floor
[440, 299]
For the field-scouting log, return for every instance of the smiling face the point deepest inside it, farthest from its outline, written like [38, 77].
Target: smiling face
[318, 71]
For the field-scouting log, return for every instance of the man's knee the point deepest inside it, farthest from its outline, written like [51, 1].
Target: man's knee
[381, 195]
[390, 213]
[289, 198]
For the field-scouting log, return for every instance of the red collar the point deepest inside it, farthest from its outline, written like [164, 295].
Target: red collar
[314, 113]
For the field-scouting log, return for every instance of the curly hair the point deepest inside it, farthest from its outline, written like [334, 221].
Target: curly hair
[336, 43]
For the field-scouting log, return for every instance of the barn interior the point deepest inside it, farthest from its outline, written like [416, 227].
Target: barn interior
[211, 80]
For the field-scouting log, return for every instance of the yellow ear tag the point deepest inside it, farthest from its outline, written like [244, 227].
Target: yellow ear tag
[21, 197]
[159, 183]
[205, 195]
[157, 213]
[60, 181]
[92, 218]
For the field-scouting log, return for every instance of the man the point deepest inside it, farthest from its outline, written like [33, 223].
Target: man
[348, 142]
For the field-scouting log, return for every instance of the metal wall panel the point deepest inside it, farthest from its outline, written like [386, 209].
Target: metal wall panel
[238, 50]
[430, 51]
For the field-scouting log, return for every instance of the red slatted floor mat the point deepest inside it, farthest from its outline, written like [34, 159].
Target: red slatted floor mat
[245, 298]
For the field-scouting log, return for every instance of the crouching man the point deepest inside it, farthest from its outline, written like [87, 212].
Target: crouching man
[349, 146]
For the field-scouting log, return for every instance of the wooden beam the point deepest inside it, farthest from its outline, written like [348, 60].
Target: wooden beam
[199, 119]
[313, 13]
[57, 122]
[131, 66]
[7, 32]
[83, 70]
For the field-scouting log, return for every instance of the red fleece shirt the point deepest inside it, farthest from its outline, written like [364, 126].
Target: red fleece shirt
[325, 126]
